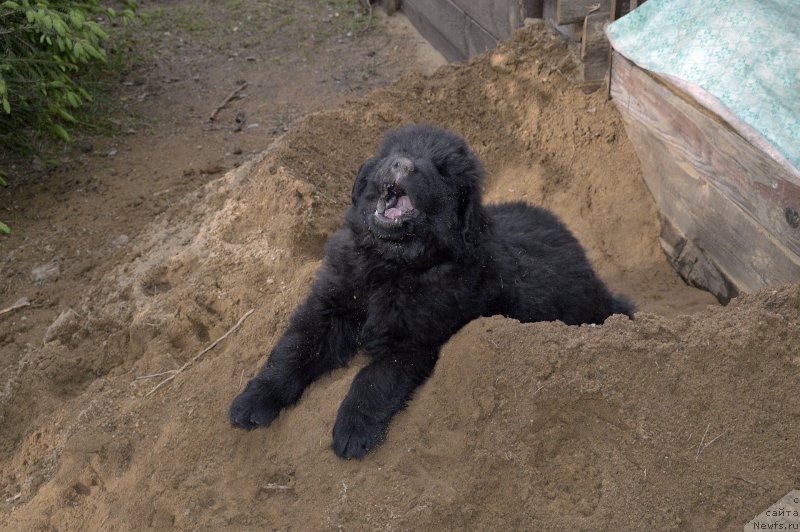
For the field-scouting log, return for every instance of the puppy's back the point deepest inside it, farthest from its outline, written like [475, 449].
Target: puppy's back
[543, 271]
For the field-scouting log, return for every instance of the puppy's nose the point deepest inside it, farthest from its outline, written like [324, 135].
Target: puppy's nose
[400, 167]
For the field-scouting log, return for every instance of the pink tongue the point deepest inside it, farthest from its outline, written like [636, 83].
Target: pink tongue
[403, 205]
[393, 213]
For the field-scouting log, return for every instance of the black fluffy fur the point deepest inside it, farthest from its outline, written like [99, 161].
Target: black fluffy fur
[398, 290]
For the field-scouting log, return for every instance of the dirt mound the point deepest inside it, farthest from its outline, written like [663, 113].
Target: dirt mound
[667, 421]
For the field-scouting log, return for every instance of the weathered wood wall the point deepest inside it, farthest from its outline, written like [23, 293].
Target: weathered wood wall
[462, 28]
[730, 211]
[574, 11]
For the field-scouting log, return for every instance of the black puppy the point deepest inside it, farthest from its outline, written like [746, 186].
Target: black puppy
[418, 258]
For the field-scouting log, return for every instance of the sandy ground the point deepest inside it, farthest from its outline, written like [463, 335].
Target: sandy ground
[682, 419]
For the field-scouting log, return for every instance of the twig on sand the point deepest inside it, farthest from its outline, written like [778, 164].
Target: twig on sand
[702, 446]
[227, 100]
[712, 440]
[18, 305]
[160, 374]
[746, 480]
[175, 372]
[273, 486]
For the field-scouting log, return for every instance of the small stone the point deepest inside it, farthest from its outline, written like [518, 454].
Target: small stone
[65, 325]
[86, 146]
[212, 169]
[120, 240]
[45, 272]
[500, 63]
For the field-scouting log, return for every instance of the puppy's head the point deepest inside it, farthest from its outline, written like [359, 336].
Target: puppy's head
[420, 194]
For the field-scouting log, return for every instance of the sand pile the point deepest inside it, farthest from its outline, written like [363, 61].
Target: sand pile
[674, 420]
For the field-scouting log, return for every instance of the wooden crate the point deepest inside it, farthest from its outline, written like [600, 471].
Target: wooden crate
[729, 212]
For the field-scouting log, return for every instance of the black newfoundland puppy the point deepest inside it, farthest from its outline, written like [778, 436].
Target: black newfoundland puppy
[418, 258]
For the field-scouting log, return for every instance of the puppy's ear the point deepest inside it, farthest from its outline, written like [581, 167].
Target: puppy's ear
[360, 182]
[471, 215]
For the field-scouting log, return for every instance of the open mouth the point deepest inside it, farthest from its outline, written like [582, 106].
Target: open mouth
[395, 206]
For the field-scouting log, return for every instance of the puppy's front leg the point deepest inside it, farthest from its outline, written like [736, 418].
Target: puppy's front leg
[322, 335]
[379, 390]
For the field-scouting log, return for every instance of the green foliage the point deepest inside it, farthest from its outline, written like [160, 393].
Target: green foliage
[44, 47]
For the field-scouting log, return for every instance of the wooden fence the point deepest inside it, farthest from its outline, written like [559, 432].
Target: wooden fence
[462, 28]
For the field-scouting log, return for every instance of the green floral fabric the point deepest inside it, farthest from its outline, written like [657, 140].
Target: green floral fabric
[745, 53]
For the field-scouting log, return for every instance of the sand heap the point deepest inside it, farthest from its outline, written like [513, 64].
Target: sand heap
[672, 421]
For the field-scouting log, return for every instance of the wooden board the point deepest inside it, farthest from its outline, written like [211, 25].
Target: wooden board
[571, 31]
[574, 11]
[440, 26]
[729, 200]
[532, 9]
[595, 47]
[691, 262]
[448, 28]
[478, 41]
[499, 18]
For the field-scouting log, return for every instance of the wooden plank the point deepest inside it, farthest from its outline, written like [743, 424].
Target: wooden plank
[448, 28]
[478, 39]
[728, 198]
[574, 11]
[747, 176]
[595, 47]
[616, 12]
[441, 23]
[616, 9]
[692, 263]
[499, 18]
[571, 31]
[737, 248]
[532, 9]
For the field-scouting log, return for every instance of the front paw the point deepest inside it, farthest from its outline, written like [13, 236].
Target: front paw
[256, 405]
[355, 434]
